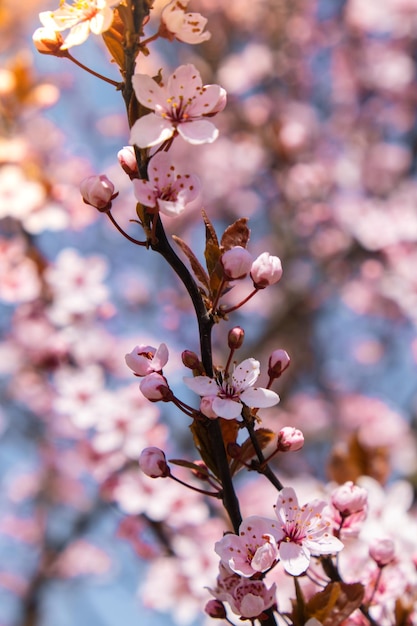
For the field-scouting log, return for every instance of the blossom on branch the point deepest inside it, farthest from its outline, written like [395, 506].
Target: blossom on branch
[303, 532]
[81, 18]
[179, 106]
[166, 190]
[253, 550]
[144, 360]
[186, 27]
[228, 393]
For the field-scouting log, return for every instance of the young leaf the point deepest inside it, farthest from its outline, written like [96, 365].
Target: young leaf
[237, 234]
[212, 251]
[198, 269]
[335, 603]
[264, 436]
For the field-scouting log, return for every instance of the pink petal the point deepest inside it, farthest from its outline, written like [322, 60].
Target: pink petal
[203, 385]
[259, 397]
[185, 82]
[198, 132]
[148, 92]
[226, 408]
[204, 104]
[246, 374]
[172, 208]
[295, 558]
[150, 130]
[160, 358]
[144, 192]
[328, 545]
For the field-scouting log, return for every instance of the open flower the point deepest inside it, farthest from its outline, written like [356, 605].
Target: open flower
[81, 17]
[144, 360]
[186, 27]
[167, 190]
[229, 392]
[303, 532]
[179, 105]
[253, 550]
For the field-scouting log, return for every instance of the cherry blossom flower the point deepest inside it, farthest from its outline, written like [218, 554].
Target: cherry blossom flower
[253, 550]
[229, 392]
[349, 498]
[186, 27]
[154, 387]
[303, 532]
[167, 190]
[179, 105]
[290, 439]
[247, 598]
[98, 191]
[266, 270]
[236, 262]
[153, 463]
[144, 360]
[81, 17]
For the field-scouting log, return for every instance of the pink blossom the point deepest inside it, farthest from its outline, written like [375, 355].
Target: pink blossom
[152, 462]
[179, 106]
[229, 392]
[97, 191]
[302, 532]
[154, 387]
[278, 362]
[144, 360]
[290, 439]
[236, 263]
[247, 598]
[167, 190]
[349, 498]
[186, 27]
[127, 159]
[266, 270]
[47, 40]
[253, 550]
[382, 551]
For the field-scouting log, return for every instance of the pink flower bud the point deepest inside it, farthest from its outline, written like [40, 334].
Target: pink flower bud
[266, 270]
[191, 360]
[290, 439]
[235, 338]
[215, 609]
[127, 160]
[382, 551]
[155, 387]
[236, 263]
[98, 191]
[349, 498]
[152, 462]
[47, 41]
[206, 407]
[278, 362]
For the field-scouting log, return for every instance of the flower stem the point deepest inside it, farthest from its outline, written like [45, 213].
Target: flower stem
[116, 84]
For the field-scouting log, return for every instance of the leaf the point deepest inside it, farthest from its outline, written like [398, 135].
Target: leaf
[114, 40]
[264, 436]
[196, 266]
[202, 443]
[237, 234]
[212, 251]
[335, 603]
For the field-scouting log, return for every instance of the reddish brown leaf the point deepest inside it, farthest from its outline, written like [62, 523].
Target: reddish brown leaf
[335, 603]
[198, 269]
[237, 234]
[264, 436]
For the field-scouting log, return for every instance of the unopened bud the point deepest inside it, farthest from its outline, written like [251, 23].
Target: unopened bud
[236, 263]
[98, 191]
[382, 551]
[266, 270]
[155, 387]
[235, 338]
[152, 462]
[278, 362]
[191, 360]
[349, 498]
[203, 474]
[215, 609]
[290, 439]
[48, 41]
[127, 160]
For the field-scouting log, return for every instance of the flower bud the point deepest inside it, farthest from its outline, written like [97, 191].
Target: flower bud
[191, 360]
[98, 191]
[152, 462]
[215, 609]
[236, 263]
[127, 160]
[235, 338]
[278, 362]
[266, 270]
[48, 41]
[155, 387]
[382, 551]
[290, 439]
[349, 498]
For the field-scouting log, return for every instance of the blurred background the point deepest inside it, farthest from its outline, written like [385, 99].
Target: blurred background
[317, 148]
